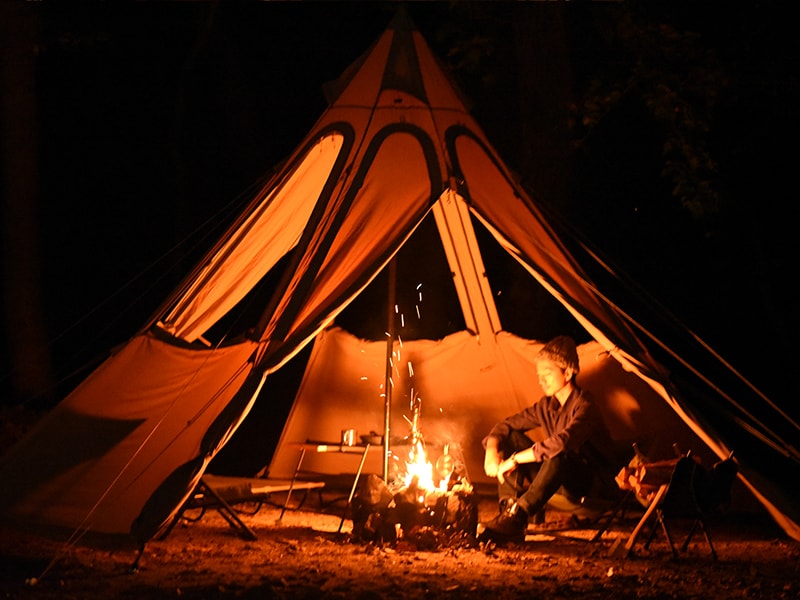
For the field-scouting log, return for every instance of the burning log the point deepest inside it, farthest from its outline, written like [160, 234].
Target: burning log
[425, 518]
[373, 511]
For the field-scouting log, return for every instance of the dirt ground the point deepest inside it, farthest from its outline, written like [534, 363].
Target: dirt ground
[304, 555]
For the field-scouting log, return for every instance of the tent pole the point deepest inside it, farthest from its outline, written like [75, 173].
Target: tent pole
[387, 387]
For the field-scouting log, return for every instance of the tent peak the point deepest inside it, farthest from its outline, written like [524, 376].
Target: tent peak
[401, 70]
[402, 20]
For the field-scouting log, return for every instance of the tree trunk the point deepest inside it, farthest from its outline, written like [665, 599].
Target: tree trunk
[545, 94]
[23, 316]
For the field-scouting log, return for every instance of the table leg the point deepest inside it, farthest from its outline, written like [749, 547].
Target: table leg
[291, 483]
[355, 485]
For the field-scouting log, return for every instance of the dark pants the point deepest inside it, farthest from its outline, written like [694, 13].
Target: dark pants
[533, 484]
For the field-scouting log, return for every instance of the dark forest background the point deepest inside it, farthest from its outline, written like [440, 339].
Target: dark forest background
[661, 133]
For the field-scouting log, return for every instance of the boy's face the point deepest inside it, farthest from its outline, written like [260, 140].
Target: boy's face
[551, 377]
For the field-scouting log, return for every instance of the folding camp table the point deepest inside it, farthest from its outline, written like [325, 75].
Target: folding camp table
[678, 488]
[324, 448]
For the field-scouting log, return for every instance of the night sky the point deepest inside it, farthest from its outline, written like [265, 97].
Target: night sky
[156, 119]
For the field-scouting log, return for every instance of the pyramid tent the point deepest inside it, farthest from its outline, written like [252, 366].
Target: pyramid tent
[116, 458]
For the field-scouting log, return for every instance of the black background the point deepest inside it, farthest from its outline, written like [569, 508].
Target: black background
[155, 119]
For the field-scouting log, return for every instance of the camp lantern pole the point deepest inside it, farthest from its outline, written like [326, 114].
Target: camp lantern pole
[387, 387]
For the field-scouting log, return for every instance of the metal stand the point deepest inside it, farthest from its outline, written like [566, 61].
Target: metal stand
[320, 447]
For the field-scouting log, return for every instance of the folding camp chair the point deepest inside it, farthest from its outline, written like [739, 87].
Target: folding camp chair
[221, 493]
[691, 493]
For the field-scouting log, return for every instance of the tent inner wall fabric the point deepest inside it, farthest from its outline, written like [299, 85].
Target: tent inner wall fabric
[464, 386]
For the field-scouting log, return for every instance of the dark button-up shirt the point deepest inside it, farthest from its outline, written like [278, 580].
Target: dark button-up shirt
[566, 428]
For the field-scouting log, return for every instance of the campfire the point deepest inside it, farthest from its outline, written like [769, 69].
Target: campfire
[427, 504]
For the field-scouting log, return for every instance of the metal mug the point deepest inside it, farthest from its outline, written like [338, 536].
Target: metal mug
[348, 437]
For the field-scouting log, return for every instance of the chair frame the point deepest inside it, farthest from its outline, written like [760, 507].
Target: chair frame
[680, 501]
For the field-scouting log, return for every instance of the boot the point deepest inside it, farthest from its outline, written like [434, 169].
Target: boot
[509, 525]
[505, 503]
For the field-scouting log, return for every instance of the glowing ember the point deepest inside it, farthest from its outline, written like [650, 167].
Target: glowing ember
[419, 474]
[415, 472]
[424, 503]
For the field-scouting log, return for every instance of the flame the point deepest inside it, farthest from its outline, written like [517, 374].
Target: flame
[419, 473]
